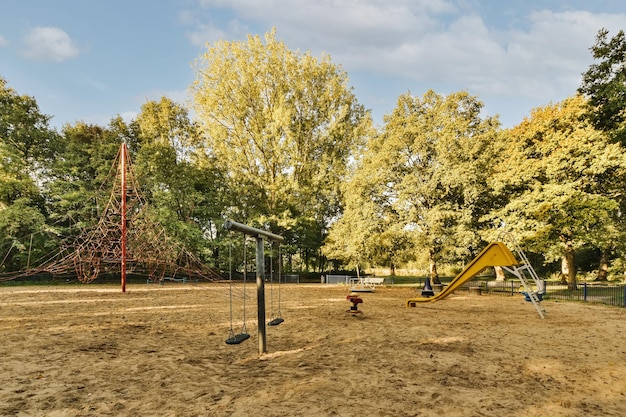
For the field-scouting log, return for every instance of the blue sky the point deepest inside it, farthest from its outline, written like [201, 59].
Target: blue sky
[91, 60]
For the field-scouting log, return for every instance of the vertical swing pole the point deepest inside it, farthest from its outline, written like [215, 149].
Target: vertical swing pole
[260, 272]
[260, 294]
[123, 238]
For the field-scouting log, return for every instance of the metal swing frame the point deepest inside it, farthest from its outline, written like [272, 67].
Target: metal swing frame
[259, 235]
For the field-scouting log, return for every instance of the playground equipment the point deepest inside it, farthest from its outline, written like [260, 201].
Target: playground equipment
[427, 291]
[355, 300]
[259, 235]
[495, 254]
[126, 240]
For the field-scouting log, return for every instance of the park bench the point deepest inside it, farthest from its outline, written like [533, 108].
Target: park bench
[373, 281]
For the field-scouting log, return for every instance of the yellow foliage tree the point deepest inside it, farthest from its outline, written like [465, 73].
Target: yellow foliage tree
[283, 126]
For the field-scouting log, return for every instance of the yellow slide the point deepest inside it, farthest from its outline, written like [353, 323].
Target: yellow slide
[495, 254]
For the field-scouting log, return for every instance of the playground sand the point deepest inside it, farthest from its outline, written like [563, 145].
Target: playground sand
[159, 350]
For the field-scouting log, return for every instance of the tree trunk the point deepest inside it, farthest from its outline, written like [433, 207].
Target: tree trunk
[392, 267]
[569, 267]
[564, 271]
[499, 273]
[289, 262]
[306, 259]
[321, 263]
[434, 276]
[603, 269]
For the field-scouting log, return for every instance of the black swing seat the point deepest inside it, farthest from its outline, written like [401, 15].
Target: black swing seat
[276, 321]
[238, 338]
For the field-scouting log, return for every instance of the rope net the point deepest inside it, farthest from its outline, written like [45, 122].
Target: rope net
[149, 250]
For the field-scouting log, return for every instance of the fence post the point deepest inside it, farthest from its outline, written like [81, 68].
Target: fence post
[584, 291]
[512, 288]
[624, 295]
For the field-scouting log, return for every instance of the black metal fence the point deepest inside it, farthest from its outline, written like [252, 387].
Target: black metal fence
[604, 293]
[614, 295]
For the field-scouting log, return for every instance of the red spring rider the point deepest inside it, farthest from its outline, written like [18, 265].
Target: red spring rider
[355, 300]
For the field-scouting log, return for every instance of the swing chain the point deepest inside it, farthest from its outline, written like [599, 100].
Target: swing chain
[231, 333]
[236, 339]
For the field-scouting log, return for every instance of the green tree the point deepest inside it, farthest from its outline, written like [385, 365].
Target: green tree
[431, 163]
[604, 84]
[282, 126]
[25, 131]
[181, 181]
[368, 232]
[554, 183]
[27, 146]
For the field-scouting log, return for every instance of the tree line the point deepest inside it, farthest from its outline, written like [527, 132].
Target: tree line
[279, 141]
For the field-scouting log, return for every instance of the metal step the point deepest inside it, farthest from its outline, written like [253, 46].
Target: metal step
[534, 296]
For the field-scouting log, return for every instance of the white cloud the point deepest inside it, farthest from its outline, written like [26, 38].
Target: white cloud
[204, 33]
[49, 44]
[549, 58]
[446, 45]
[327, 26]
[349, 25]
[3, 41]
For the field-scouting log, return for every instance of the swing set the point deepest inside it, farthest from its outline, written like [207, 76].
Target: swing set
[259, 235]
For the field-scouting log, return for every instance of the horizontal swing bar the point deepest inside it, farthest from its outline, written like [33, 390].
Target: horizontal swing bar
[253, 231]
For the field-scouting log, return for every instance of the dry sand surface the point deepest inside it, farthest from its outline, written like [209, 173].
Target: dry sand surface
[159, 350]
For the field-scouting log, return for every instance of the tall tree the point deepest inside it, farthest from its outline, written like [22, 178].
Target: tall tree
[369, 231]
[25, 131]
[27, 146]
[431, 163]
[282, 126]
[554, 183]
[182, 181]
[604, 84]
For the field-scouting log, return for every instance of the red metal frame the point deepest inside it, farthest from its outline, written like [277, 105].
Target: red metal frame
[123, 198]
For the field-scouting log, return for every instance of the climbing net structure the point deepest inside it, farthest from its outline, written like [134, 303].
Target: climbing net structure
[127, 239]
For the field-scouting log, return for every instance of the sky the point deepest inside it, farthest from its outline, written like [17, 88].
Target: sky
[92, 60]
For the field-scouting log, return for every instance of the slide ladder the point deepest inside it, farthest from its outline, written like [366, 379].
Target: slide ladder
[525, 272]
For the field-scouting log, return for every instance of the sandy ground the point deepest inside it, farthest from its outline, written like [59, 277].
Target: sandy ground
[160, 351]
